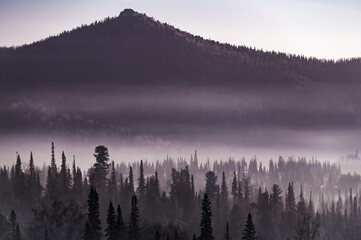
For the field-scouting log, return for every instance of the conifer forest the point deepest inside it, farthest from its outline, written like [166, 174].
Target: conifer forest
[178, 199]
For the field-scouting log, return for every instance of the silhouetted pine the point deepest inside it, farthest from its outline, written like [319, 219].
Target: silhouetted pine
[111, 230]
[119, 224]
[249, 232]
[206, 220]
[101, 166]
[224, 191]
[141, 182]
[131, 181]
[65, 182]
[211, 185]
[93, 225]
[234, 186]
[134, 228]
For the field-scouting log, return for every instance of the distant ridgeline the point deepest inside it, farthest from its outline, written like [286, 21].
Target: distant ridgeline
[178, 199]
[135, 49]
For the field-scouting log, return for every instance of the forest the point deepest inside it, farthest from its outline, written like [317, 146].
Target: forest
[178, 199]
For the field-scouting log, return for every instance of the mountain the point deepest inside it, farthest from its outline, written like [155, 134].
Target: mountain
[135, 76]
[135, 49]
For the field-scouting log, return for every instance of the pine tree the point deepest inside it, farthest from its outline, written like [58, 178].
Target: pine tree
[134, 229]
[93, 224]
[63, 175]
[19, 180]
[249, 232]
[211, 185]
[224, 191]
[53, 161]
[206, 221]
[31, 167]
[290, 199]
[119, 224]
[234, 186]
[131, 180]
[141, 182]
[111, 230]
[101, 166]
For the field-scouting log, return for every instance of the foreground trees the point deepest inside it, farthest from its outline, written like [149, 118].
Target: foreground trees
[170, 200]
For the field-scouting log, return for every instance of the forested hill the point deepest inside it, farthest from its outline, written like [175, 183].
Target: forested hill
[135, 49]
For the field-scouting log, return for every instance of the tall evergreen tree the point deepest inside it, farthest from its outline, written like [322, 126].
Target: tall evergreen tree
[119, 224]
[224, 191]
[53, 161]
[249, 232]
[211, 185]
[63, 175]
[101, 166]
[234, 186]
[134, 229]
[131, 180]
[141, 182]
[206, 220]
[111, 230]
[93, 224]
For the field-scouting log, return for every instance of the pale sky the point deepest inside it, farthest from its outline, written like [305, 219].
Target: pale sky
[321, 28]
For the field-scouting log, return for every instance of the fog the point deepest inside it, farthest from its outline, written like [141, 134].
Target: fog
[142, 122]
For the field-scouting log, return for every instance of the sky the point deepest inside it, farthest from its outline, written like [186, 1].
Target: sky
[328, 29]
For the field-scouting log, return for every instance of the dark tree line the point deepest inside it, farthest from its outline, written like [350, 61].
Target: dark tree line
[293, 199]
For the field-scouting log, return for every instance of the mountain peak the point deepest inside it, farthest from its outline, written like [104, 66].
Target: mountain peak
[127, 11]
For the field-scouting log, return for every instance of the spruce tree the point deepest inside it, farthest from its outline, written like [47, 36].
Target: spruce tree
[224, 191]
[206, 220]
[119, 224]
[93, 224]
[131, 180]
[134, 229]
[141, 182]
[101, 166]
[111, 230]
[211, 185]
[64, 182]
[249, 232]
[234, 186]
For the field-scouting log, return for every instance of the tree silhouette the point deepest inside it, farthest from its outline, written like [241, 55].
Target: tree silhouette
[111, 223]
[93, 225]
[206, 220]
[101, 166]
[141, 182]
[249, 232]
[134, 229]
